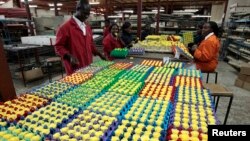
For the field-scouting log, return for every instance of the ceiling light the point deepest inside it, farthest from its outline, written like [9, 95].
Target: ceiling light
[94, 3]
[32, 6]
[54, 9]
[115, 16]
[191, 10]
[186, 11]
[201, 16]
[2, 2]
[58, 4]
[24, 0]
[128, 11]
[117, 12]
[182, 13]
[161, 10]
[148, 12]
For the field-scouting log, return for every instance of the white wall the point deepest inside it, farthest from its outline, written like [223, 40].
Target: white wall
[217, 12]
[8, 4]
[42, 13]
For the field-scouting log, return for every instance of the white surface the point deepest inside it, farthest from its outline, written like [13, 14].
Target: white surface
[43, 40]
[39, 40]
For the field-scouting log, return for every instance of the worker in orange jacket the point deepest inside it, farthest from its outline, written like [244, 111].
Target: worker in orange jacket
[207, 53]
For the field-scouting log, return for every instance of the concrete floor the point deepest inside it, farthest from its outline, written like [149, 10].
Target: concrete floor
[240, 110]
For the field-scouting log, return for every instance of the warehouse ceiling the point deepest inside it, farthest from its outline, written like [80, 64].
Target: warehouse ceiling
[69, 5]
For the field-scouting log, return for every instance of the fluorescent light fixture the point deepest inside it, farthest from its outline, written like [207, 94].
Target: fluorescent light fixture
[52, 4]
[128, 11]
[54, 9]
[94, 3]
[191, 10]
[186, 11]
[117, 12]
[115, 16]
[161, 10]
[125, 11]
[23, 0]
[201, 16]
[179, 11]
[182, 13]
[2, 2]
[148, 12]
[32, 6]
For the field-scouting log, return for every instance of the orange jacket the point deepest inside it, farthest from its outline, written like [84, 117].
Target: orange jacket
[206, 55]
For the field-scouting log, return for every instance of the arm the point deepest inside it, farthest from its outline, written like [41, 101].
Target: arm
[61, 46]
[205, 51]
[125, 41]
[61, 42]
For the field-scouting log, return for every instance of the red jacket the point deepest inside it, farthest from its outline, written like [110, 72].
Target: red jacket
[110, 43]
[70, 40]
[206, 55]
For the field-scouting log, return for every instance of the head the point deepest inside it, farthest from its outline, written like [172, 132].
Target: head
[114, 29]
[107, 22]
[82, 10]
[199, 29]
[210, 27]
[126, 27]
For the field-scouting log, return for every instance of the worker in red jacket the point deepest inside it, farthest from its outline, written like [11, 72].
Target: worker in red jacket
[74, 40]
[111, 41]
[207, 53]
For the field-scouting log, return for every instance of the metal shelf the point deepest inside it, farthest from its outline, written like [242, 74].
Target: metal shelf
[245, 51]
[242, 44]
[243, 21]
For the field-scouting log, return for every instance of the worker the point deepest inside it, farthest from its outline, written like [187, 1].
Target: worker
[106, 28]
[197, 38]
[207, 53]
[111, 41]
[74, 40]
[126, 36]
[147, 31]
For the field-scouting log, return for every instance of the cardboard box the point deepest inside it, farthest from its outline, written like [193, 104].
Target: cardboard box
[247, 79]
[246, 86]
[239, 83]
[242, 77]
[245, 69]
[32, 74]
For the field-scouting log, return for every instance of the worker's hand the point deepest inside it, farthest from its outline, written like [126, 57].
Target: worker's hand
[194, 47]
[103, 57]
[73, 60]
[136, 40]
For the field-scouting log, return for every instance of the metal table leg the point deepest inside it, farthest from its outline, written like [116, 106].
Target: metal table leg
[21, 67]
[49, 71]
[228, 109]
[216, 77]
[61, 68]
[217, 103]
[207, 77]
